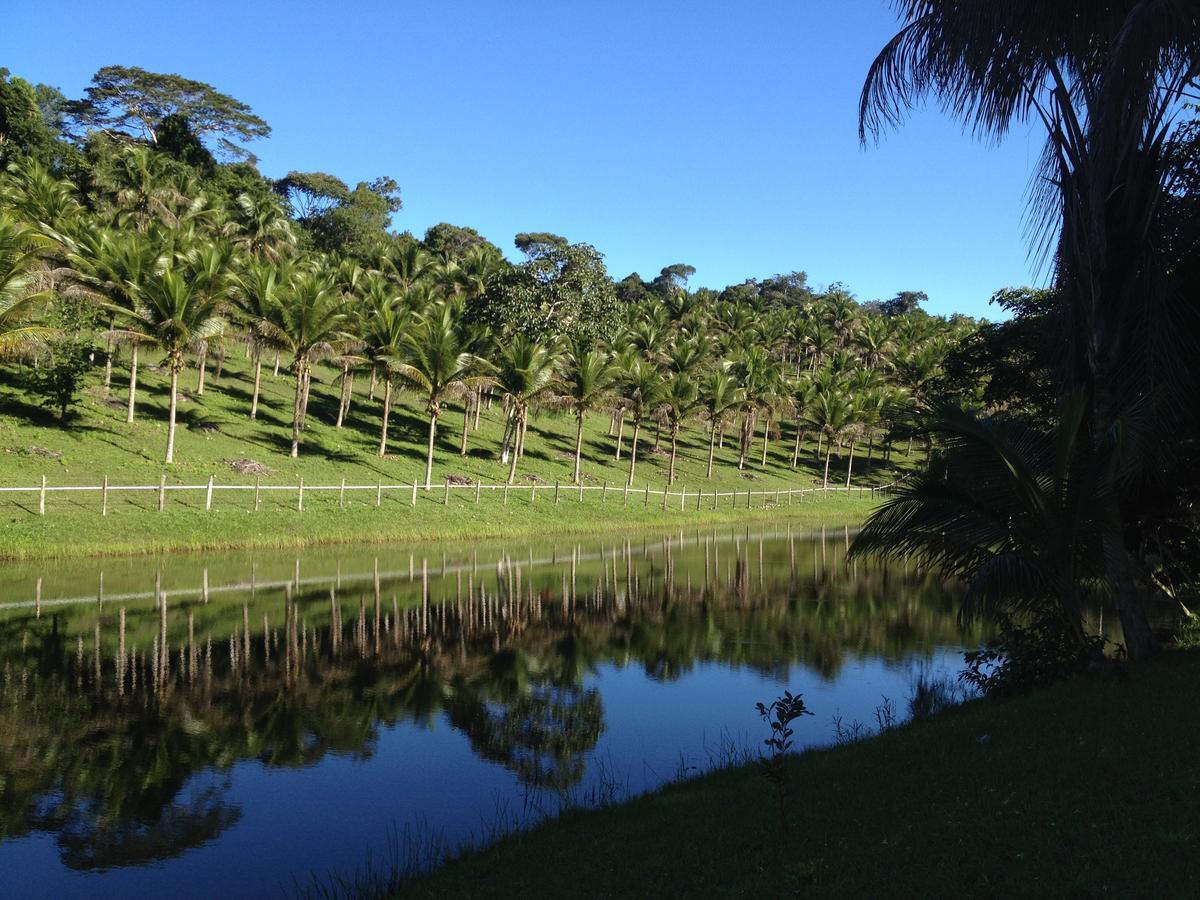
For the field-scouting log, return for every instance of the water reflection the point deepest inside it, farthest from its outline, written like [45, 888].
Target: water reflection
[131, 689]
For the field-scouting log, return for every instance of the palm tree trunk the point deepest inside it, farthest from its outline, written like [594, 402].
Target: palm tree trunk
[133, 364]
[201, 364]
[257, 385]
[578, 446]
[637, 426]
[712, 447]
[276, 373]
[671, 469]
[343, 400]
[820, 444]
[220, 365]
[304, 399]
[108, 360]
[387, 409]
[462, 448]
[433, 417]
[371, 389]
[796, 450]
[297, 410]
[766, 438]
[850, 465]
[172, 406]
[620, 429]
[512, 463]
[828, 457]
[478, 407]
[657, 433]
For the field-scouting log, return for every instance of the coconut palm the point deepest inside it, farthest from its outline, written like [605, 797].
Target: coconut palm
[437, 365]
[524, 373]
[584, 376]
[256, 293]
[174, 314]
[112, 266]
[721, 394]
[830, 414]
[383, 331]
[681, 400]
[21, 296]
[643, 388]
[1105, 80]
[209, 266]
[263, 228]
[803, 392]
[308, 326]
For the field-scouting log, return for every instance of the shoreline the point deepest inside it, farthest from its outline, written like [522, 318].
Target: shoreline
[83, 534]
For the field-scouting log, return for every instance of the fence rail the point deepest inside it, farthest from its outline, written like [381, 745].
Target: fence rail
[556, 492]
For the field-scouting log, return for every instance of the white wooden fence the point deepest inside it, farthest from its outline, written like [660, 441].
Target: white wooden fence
[552, 493]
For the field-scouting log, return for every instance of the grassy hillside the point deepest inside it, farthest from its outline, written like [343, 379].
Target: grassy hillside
[1087, 789]
[215, 430]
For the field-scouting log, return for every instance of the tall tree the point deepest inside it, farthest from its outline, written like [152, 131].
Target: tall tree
[584, 376]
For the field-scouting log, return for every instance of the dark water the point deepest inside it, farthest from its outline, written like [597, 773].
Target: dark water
[275, 717]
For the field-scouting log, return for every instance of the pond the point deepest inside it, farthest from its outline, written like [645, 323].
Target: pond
[234, 723]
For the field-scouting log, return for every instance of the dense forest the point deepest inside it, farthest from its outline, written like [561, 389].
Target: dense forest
[135, 223]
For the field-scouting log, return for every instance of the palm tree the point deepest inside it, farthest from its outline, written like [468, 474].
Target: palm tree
[524, 373]
[681, 399]
[264, 230]
[308, 326]
[257, 292]
[804, 391]
[174, 314]
[209, 267]
[720, 395]
[1106, 81]
[113, 265]
[583, 377]
[140, 189]
[384, 330]
[436, 364]
[21, 299]
[644, 389]
[830, 414]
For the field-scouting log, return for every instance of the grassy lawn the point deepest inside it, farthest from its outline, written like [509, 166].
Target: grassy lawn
[215, 430]
[1088, 789]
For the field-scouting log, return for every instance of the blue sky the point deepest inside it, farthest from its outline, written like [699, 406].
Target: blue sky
[718, 134]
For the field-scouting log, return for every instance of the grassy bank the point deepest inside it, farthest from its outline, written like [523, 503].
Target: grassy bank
[1087, 789]
[216, 432]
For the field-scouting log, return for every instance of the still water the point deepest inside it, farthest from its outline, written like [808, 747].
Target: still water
[230, 724]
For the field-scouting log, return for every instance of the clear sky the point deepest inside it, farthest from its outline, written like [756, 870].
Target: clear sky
[719, 134]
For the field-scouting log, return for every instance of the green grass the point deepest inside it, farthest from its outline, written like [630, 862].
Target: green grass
[1087, 789]
[215, 429]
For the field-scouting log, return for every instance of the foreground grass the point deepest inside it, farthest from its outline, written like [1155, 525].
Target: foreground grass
[215, 430]
[1088, 789]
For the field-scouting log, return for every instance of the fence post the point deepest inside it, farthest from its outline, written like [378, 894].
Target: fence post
[446, 496]
[581, 490]
[104, 497]
[646, 502]
[626, 494]
[506, 493]
[162, 491]
[604, 493]
[414, 496]
[342, 495]
[682, 498]
[532, 493]
[478, 488]
[749, 501]
[257, 492]
[664, 506]
[42, 498]
[300, 496]
[699, 499]
[208, 495]
[556, 492]
[378, 492]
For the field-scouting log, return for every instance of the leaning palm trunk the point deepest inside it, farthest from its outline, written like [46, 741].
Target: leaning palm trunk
[578, 446]
[108, 360]
[674, 440]
[171, 409]
[133, 367]
[201, 364]
[433, 417]
[518, 427]
[766, 438]
[712, 447]
[850, 465]
[297, 409]
[620, 429]
[637, 427]
[462, 448]
[828, 459]
[257, 353]
[796, 449]
[387, 410]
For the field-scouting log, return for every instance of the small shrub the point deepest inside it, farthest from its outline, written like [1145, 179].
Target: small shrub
[779, 715]
[1027, 657]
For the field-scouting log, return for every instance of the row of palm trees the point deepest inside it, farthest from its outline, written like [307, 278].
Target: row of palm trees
[175, 274]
